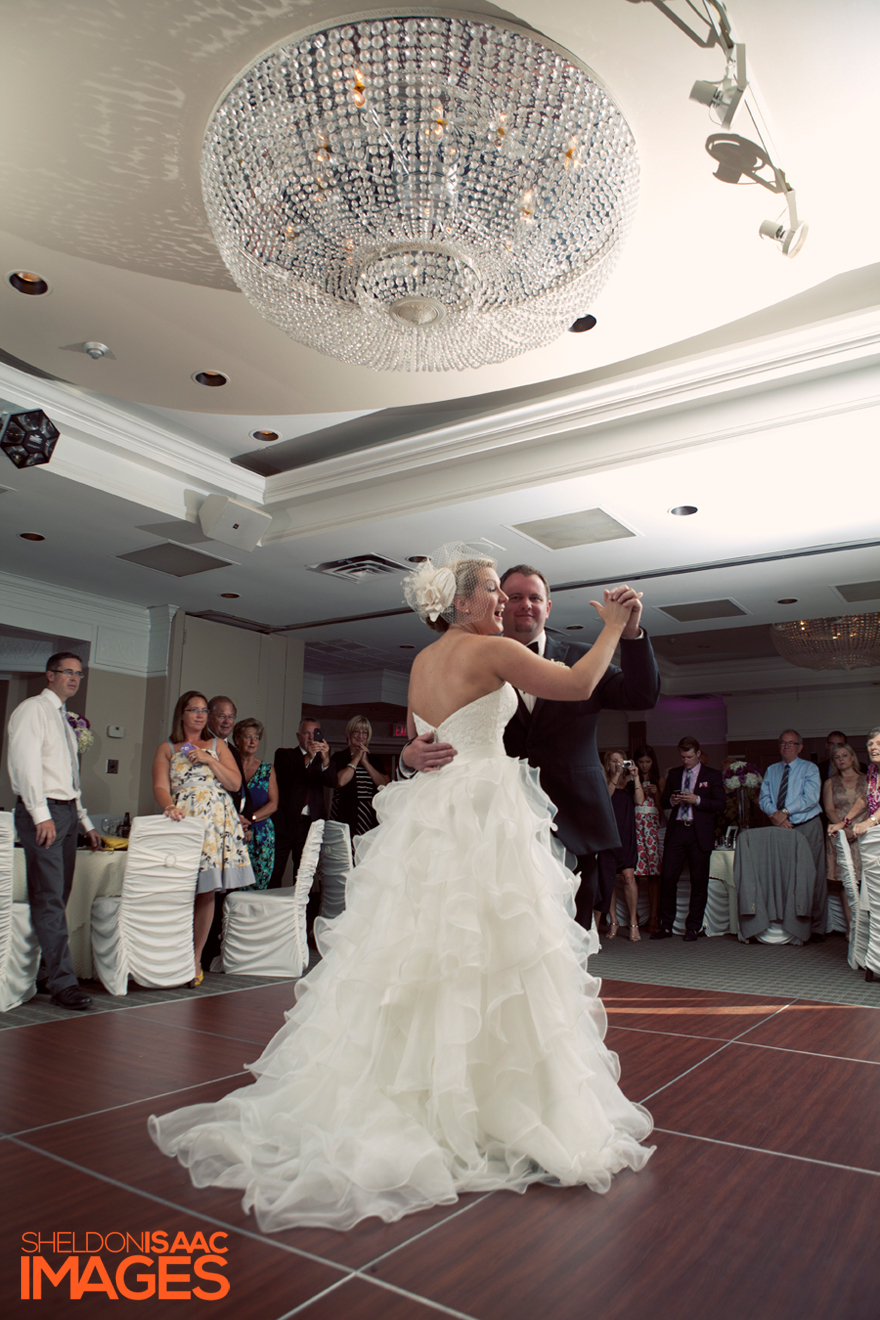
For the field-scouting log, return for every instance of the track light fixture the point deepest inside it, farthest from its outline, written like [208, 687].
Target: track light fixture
[723, 99]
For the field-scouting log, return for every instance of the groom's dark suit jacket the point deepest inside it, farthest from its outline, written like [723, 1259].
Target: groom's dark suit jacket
[559, 737]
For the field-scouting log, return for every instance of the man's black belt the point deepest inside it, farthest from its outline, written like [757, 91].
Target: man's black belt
[56, 802]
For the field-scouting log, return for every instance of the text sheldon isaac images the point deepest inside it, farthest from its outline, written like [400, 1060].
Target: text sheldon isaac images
[134, 1266]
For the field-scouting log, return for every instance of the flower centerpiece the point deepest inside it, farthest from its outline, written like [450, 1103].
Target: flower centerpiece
[82, 731]
[742, 781]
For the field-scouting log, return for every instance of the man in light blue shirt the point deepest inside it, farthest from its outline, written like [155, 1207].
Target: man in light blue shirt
[790, 797]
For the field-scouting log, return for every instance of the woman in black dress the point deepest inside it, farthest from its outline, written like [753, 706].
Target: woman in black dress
[357, 779]
[625, 789]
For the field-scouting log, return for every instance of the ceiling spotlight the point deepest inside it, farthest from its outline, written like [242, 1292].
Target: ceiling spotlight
[31, 536]
[230, 595]
[264, 435]
[405, 646]
[575, 627]
[210, 378]
[684, 510]
[96, 350]
[787, 600]
[723, 97]
[28, 439]
[416, 559]
[25, 281]
[581, 324]
[791, 240]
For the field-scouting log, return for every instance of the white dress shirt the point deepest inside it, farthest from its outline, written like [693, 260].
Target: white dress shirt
[39, 757]
[528, 699]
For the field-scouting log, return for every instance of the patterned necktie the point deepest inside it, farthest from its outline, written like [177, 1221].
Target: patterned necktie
[68, 738]
[687, 786]
[783, 790]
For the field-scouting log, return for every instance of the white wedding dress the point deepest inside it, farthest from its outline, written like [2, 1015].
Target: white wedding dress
[451, 1038]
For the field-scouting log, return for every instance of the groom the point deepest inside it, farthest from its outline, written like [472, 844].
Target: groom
[559, 737]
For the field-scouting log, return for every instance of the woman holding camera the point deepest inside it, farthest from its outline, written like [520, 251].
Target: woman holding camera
[625, 789]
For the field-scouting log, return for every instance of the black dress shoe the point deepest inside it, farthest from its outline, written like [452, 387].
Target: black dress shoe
[71, 997]
[869, 975]
[690, 935]
[816, 938]
[661, 934]
[42, 986]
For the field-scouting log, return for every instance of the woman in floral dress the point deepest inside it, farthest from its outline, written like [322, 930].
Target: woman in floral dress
[649, 818]
[195, 778]
[259, 830]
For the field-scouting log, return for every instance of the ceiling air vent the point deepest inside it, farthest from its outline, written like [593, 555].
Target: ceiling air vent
[589, 527]
[358, 567]
[858, 591]
[175, 560]
[702, 609]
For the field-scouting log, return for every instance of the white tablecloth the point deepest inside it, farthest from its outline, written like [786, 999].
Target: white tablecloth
[97, 875]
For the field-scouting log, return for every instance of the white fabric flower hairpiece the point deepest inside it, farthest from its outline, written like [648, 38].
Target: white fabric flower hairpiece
[433, 589]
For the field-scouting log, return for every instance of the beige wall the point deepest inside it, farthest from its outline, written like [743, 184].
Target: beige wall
[113, 699]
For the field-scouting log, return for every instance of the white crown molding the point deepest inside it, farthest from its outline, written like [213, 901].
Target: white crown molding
[118, 632]
[104, 426]
[821, 371]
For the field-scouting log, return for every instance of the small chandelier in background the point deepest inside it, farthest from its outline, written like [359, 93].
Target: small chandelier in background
[419, 193]
[851, 641]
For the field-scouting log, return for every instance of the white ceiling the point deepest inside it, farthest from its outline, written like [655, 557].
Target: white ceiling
[719, 374]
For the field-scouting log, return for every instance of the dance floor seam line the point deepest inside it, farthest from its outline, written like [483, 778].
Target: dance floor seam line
[764, 1150]
[133, 1008]
[644, 1100]
[462, 1210]
[388, 1287]
[139, 1100]
[812, 1054]
[179, 1208]
[318, 1297]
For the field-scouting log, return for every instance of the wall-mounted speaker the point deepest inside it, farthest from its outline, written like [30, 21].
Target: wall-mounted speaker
[233, 523]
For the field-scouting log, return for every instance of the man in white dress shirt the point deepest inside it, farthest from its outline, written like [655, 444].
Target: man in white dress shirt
[44, 772]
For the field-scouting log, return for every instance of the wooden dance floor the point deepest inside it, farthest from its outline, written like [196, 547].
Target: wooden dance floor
[762, 1199]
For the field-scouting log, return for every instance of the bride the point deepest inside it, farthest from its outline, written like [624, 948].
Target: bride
[451, 1038]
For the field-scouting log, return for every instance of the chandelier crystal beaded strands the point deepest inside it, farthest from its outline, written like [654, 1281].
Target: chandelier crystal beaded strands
[419, 193]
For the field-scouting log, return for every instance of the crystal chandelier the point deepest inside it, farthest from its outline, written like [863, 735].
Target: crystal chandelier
[851, 641]
[419, 193]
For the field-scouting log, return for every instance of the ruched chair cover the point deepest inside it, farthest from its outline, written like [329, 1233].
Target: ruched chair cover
[869, 851]
[264, 931]
[859, 912]
[334, 868]
[19, 949]
[147, 933]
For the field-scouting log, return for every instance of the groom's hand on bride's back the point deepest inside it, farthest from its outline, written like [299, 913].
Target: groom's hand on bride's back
[422, 753]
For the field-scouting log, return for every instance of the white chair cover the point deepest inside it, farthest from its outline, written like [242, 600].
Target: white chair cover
[334, 868]
[19, 950]
[869, 851]
[859, 917]
[147, 933]
[264, 931]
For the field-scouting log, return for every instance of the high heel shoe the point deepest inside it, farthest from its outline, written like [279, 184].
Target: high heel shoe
[869, 975]
[197, 980]
[612, 930]
[634, 931]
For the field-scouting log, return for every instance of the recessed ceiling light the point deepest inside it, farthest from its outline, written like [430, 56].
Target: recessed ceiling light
[404, 646]
[581, 324]
[31, 536]
[684, 510]
[787, 600]
[211, 378]
[264, 435]
[416, 559]
[230, 595]
[575, 627]
[26, 281]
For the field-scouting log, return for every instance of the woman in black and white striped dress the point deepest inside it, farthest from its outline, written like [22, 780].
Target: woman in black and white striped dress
[357, 779]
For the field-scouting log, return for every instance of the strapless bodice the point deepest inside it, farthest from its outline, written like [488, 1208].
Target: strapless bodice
[477, 727]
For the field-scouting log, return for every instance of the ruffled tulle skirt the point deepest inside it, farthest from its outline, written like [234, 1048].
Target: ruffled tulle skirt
[450, 1039]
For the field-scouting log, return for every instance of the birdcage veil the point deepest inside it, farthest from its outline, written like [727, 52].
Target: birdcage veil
[452, 570]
